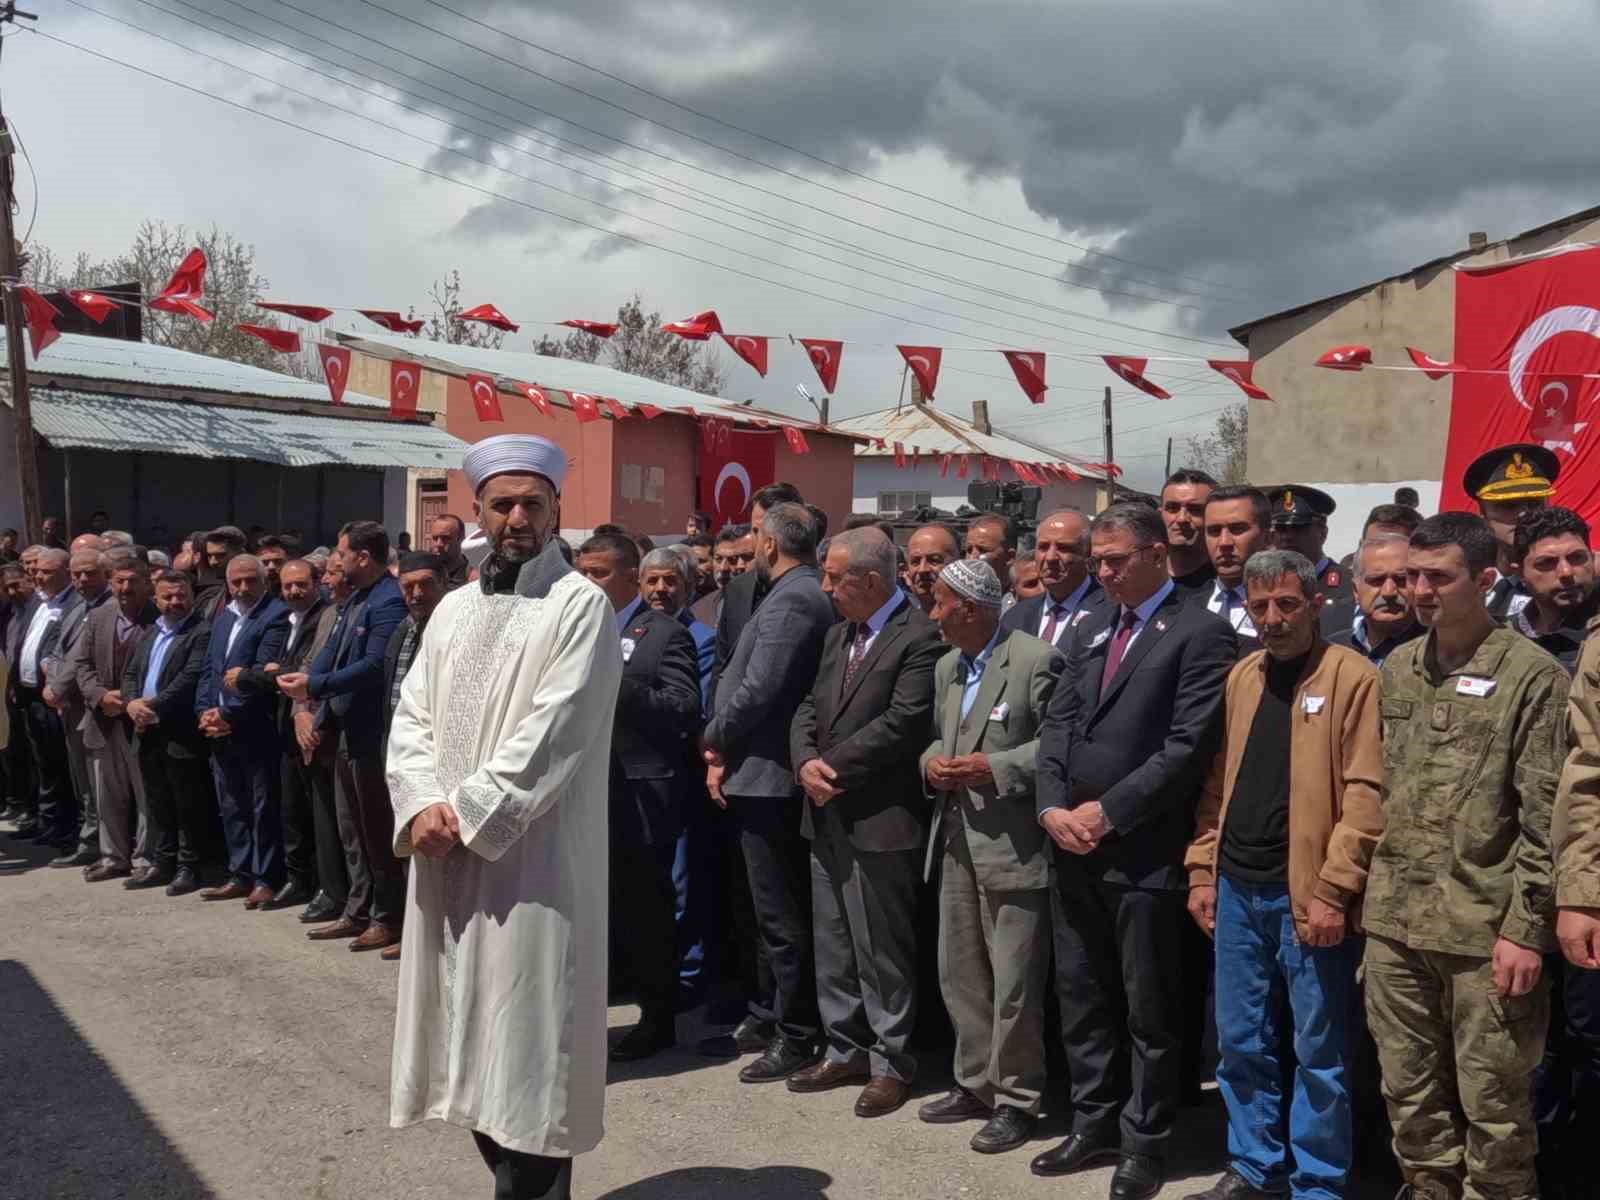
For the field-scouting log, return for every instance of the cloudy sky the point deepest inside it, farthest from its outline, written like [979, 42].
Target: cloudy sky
[1078, 178]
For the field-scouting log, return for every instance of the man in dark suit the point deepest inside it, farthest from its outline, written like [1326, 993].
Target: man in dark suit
[54, 600]
[158, 688]
[855, 743]
[1238, 523]
[1124, 750]
[658, 716]
[17, 586]
[348, 676]
[249, 634]
[1071, 595]
[743, 593]
[217, 549]
[319, 763]
[771, 669]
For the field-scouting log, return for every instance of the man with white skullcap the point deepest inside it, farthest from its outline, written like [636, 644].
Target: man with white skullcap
[499, 760]
[990, 693]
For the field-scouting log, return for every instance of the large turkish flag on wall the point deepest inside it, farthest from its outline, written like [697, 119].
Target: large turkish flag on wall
[1527, 333]
[733, 468]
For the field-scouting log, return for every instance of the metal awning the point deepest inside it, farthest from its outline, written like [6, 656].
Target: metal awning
[91, 421]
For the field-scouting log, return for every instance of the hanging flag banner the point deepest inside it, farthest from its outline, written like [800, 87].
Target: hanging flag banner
[615, 408]
[924, 364]
[796, 440]
[648, 411]
[302, 312]
[916, 457]
[186, 288]
[824, 356]
[752, 349]
[697, 328]
[600, 329]
[1028, 367]
[585, 406]
[536, 397]
[733, 468]
[285, 341]
[485, 397]
[899, 455]
[488, 314]
[41, 317]
[1345, 358]
[92, 305]
[944, 467]
[391, 320]
[335, 369]
[1131, 370]
[961, 468]
[405, 378]
[1526, 334]
[1242, 372]
[1432, 367]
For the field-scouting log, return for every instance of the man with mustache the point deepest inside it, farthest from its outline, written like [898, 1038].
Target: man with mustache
[1384, 618]
[1069, 594]
[927, 552]
[1552, 545]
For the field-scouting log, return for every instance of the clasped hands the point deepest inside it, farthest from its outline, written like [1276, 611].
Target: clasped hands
[436, 830]
[1076, 830]
[213, 724]
[948, 774]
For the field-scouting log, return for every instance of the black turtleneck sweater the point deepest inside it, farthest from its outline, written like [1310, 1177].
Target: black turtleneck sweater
[1255, 838]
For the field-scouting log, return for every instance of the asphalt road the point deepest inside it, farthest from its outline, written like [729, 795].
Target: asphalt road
[170, 1049]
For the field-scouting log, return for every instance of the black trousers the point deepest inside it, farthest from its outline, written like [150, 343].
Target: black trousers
[1121, 995]
[1566, 1097]
[644, 924]
[778, 861]
[18, 762]
[519, 1176]
[311, 853]
[366, 828]
[56, 798]
[177, 793]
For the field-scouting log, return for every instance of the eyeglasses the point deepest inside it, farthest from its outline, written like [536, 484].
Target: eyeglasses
[1116, 562]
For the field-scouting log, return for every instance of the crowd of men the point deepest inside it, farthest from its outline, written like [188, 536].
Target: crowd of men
[1159, 754]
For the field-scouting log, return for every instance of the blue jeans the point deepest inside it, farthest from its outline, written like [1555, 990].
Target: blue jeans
[1265, 978]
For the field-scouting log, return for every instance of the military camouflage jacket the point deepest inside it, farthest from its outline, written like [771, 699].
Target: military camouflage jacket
[1471, 760]
[1576, 835]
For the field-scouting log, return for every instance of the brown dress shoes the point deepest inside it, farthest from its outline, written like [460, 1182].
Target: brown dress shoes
[881, 1097]
[376, 937]
[344, 927]
[232, 890]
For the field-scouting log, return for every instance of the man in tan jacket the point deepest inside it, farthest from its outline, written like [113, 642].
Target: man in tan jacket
[1286, 827]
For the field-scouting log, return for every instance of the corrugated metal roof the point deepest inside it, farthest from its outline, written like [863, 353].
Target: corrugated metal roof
[92, 421]
[562, 374]
[117, 361]
[934, 432]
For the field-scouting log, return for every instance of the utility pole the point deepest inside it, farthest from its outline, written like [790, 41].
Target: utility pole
[1168, 475]
[1111, 478]
[11, 278]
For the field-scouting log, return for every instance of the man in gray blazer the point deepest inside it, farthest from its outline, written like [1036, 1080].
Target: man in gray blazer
[87, 568]
[746, 746]
[990, 694]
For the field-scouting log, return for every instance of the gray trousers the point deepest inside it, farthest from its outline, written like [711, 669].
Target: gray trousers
[120, 802]
[80, 772]
[864, 922]
[994, 957]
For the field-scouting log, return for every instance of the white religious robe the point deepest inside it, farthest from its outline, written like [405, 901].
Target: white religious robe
[506, 716]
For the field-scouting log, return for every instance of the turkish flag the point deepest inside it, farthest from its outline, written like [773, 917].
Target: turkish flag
[285, 341]
[1241, 371]
[899, 455]
[335, 369]
[1345, 358]
[733, 468]
[944, 467]
[92, 305]
[1526, 335]
[600, 329]
[41, 317]
[796, 440]
[1433, 368]
[485, 397]
[648, 411]
[537, 398]
[186, 287]
[924, 364]
[304, 312]
[825, 356]
[488, 314]
[404, 380]
[961, 468]
[752, 349]
[697, 328]
[615, 408]
[1028, 367]
[585, 407]
[390, 320]
[1131, 370]
[916, 457]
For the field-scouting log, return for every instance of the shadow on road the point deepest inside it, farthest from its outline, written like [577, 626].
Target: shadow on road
[75, 1130]
[729, 1183]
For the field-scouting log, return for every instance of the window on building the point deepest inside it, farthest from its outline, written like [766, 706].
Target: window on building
[893, 503]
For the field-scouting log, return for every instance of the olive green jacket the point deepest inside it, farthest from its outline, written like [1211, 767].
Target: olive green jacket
[1471, 760]
[1575, 836]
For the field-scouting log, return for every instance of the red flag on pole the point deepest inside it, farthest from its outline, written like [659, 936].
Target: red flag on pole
[285, 341]
[1242, 372]
[390, 320]
[92, 305]
[488, 314]
[185, 288]
[825, 356]
[1028, 367]
[1433, 368]
[537, 398]
[697, 328]
[335, 369]
[796, 440]
[485, 397]
[41, 317]
[752, 349]
[1345, 358]
[585, 406]
[899, 455]
[600, 329]
[924, 364]
[404, 380]
[304, 312]
[1131, 370]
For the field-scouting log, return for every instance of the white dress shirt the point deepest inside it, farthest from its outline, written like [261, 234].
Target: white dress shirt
[43, 617]
[1063, 610]
[1228, 603]
[240, 616]
[1143, 612]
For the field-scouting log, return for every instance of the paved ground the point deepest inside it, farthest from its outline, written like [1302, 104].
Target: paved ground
[174, 1049]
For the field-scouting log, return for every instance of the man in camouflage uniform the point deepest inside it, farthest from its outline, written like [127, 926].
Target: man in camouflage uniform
[1460, 899]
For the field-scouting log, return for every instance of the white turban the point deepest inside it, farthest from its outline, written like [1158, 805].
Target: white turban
[519, 453]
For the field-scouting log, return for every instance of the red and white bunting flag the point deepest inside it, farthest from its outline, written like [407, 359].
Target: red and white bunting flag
[285, 341]
[752, 349]
[186, 287]
[390, 320]
[916, 457]
[585, 406]
[1346, 358]
[648, 411]
[600, 329]
[405, 378]
[485, 397]
[335, 369]
[697, 328]
[944, 466]
[961, 468]
[303, 312]
[796, 440]
[879, 444]
[488, 314]
[1071, 475]
[536, 397]
[41, 317]
[1131, 370]
[616, 408]
[92, 305]
[924, 364]
[1028, 367]
[824, 356]
[1242, 372]
[1021, 471]
[899, 455]
[1433, 368]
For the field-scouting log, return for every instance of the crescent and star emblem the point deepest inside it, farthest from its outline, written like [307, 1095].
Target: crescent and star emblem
[332, 366]
[820, 355]
[404, 381]
[745, 342]
[1569, 318]
[737, 473]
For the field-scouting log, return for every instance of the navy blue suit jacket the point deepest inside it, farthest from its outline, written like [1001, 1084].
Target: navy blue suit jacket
[260, 641]
[348, 673]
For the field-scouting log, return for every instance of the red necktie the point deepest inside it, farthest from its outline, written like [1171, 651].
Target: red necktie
[858, 651]
[1119, 647]
[1056, 612]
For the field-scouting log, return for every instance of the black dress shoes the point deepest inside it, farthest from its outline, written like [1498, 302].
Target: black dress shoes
[953, 1107]
[184, 882]
[1236, 1187]
[1006, 1130]
[25, 831]
[644, 1040]
[76, 858]
[1077, 1153]
[322, 908]
[290, 894]
[1138, 1177]
[750, 1036]
[781, 1059]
